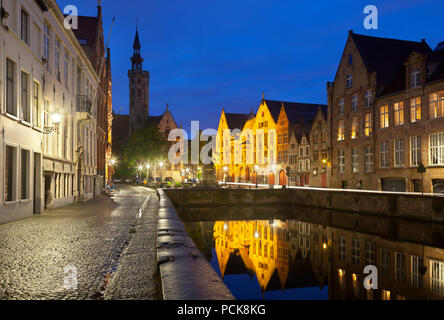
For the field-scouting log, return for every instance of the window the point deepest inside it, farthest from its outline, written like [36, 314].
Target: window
[301, 151]
[384, 116]
[307, 165]
[368, 124]
[354, 128]
[437, 148]
[57, 58]
[417, 264]
[341, 160]
[66, 68]
[24, 27]
[436, 103]
[315, 155]
[46, 37]
[385, 263]
[350, 58]
[355, 251]
[368, 159]
[24, 111]
[415, 78]
[385, 295]
[35, 105]
[355, 160]
[368, 98]
[349, 80]
[437, 275]
[369, 253]
[11, 106]
[415, 151]
[399, 113]
[383, 153]
[399, 152]
[341, 106]
[354, 102]
[341, 130]
[415, 109]
[10, 173]
[400, 266]
[24, 174]
[307, 151]
[341, 249]
[301, 165]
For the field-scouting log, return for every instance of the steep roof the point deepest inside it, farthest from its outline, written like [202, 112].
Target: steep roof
[237, 120]
[386, 56]
[295, 111]
[87, 30]
[154, 120]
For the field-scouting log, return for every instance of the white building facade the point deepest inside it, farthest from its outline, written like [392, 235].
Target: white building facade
[48, 129]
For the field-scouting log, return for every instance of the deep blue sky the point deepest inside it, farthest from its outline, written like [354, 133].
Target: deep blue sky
[204, 55]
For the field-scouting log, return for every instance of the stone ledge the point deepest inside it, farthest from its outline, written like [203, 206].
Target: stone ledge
[184, 272]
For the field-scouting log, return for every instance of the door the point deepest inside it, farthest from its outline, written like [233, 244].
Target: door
[282, 178]
[271, 178]
[323, 180]
[47, 189]
[301, 178]
[247, 175]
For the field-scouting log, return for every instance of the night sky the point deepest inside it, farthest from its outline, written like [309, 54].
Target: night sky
[205, 55]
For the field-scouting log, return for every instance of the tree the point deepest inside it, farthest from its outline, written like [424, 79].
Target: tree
[146, 145]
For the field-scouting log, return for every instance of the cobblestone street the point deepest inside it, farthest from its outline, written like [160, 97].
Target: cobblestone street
[111, 242]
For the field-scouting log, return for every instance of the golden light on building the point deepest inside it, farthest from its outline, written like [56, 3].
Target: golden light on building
[324, 246]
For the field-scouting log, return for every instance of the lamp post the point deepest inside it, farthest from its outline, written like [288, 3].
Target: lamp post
[256, 167]
[225, 175]
[147, 171]
[139, 173]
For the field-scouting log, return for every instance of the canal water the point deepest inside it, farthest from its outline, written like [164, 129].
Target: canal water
[300, 260]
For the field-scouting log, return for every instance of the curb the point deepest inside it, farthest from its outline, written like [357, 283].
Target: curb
[183, 271]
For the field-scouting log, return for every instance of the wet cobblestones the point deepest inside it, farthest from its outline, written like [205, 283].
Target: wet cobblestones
[109, 241]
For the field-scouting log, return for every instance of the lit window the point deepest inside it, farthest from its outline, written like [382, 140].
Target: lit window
[436, 104]
[437, 275]
[341, 130]
[355, 251]
[384, 116]
[417, 263]
[399, 113]
[368, 124]
[341, 250]
[355, 160]
[385, 294]
[415, 109]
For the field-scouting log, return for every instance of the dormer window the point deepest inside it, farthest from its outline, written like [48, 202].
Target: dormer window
[349, 80]
[350, 59]
[415, 77]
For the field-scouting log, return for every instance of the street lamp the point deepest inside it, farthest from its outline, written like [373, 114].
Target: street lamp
[147, 166]
[161, 173]
[56, 119]
[225, 175]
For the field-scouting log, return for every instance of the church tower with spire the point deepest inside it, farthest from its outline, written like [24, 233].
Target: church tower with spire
[139, 80]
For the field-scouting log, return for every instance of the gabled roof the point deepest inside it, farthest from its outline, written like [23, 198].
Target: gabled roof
[237, 120]
[386, 56]
[154, 120]
[87, 30]
[295, 111]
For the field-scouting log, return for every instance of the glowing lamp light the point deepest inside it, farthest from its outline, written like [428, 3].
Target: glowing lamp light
[148, 166]
[256, 167]
[256, 234]
[188, 170]
[161, 164]
[56, 118]
[140, 167]
[324, 246]
[113, 162]
[225, 169]
[324, 161]
[341, 272]
[354, 277]
[225, 226]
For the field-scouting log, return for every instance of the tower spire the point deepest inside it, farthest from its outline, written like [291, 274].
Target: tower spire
[136, 59]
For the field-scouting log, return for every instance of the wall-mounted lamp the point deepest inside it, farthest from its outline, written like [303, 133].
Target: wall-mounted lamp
[56, 119]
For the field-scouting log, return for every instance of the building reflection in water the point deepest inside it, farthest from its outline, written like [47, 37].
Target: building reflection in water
[289, 254]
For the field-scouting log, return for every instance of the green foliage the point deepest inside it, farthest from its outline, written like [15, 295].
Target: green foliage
[146, 145]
